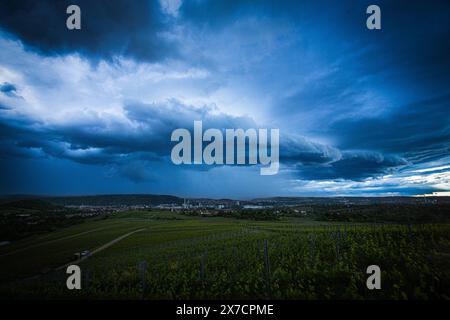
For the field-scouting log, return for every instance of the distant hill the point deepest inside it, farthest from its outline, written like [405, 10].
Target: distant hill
[29, 204]
[116, 200]
[43, 202]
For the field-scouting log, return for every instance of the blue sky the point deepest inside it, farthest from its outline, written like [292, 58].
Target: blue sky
[360, 112]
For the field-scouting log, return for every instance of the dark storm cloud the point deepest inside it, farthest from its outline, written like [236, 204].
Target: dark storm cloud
[217, 14]
[148, 139]
[8, 89]
[354, 165]
[109, 28]
[152, 125]
[295, 149]
[99, 142]
[158, 120]
[420, 130]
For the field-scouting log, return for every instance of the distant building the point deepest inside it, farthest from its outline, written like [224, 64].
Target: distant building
[186, 204]
[251, 206]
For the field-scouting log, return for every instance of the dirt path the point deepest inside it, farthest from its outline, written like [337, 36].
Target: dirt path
[101, 248]
[36, 245]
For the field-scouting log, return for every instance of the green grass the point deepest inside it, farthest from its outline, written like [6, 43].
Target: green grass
[220, 258]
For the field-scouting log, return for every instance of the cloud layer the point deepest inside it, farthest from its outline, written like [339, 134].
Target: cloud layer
[358, 113]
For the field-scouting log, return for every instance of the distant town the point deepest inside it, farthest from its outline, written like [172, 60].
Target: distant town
[22, 216]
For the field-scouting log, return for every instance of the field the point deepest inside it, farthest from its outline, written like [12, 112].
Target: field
[174, 256]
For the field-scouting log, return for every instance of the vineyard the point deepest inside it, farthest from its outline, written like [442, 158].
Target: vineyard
[226, 259]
